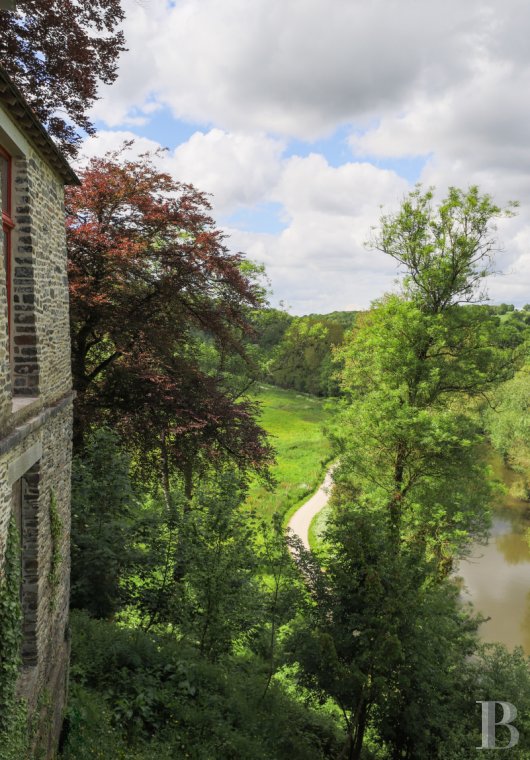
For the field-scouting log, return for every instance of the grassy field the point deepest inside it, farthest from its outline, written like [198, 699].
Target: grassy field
[295, 423]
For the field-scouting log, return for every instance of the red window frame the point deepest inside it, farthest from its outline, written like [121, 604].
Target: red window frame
[7, 227]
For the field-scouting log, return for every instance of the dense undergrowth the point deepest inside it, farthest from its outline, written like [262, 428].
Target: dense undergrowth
[187, 657]
[140, 695]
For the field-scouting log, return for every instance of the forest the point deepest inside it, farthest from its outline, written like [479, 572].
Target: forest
[205, 417]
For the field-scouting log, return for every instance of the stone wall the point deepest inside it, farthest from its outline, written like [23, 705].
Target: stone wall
[36, 431]
[45, 593]
[40, 289]
[5, 363]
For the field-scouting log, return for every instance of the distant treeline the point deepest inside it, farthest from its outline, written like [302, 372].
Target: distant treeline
[298, 352]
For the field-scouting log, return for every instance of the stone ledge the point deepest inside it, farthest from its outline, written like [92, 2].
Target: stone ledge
[34, 423]
[23, 407]
[23, 463]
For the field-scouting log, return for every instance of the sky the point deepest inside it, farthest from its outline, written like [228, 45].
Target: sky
[308, 119]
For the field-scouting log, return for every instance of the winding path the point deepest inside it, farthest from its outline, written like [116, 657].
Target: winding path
[301, 520]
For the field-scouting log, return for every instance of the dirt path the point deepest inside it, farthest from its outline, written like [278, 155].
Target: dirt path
[301, 520]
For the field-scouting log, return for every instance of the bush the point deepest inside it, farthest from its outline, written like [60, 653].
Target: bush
[103, 505]
[137, 695]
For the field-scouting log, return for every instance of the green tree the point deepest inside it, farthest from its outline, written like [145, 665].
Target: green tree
[411, 490]
[199, 572]
[303, 359]
[270, 326]
[104, 510]
[445, 251]
[508, 424]
[415, 363]
[405, 436]
[391, 650]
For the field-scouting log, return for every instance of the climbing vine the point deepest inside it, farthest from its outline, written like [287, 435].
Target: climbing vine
[10, 622]
[13, 714]
[56, 531]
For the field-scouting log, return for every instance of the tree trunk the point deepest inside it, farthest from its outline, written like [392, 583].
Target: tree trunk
[165, 472]
[358, 738]
[187, 472]
[396, 502]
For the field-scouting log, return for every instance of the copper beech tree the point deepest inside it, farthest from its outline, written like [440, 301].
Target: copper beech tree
[151, 281]
[57, 52]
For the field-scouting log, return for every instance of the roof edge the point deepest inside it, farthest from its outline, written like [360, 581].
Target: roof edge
[25, 118]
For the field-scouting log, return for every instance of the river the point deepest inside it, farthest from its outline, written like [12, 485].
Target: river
[497, 576]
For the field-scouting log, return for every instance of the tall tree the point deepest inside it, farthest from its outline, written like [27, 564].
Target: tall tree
[57, 52]
[391, 651]
[413, 364]
[445, 252]
[150, 279]
[411, 491]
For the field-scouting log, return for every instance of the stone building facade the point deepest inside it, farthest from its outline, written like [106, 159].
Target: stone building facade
[36, 401]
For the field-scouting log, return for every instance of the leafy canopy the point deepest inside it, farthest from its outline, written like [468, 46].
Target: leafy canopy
[150, 280]
[57, 52]
[445, 251]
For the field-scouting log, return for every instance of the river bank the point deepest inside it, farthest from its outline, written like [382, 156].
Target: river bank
[495, 577]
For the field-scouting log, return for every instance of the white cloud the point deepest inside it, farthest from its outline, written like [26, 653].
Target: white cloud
[319, 262]
[480, 122]
[108, 141]
[512, 285]
[131, 95]
[238, 169]
[475, 132]
[295, 68]
[443, 81]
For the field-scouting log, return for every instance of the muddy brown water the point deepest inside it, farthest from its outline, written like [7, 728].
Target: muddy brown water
[497, 576]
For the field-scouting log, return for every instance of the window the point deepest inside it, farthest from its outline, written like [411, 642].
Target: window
[19, 266]
[7, 227]
[25, 507]
[19, 270]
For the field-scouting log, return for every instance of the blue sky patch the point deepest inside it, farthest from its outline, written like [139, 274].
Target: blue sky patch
[168, 131]
[262, 218]
[334, 148]
[409, 168]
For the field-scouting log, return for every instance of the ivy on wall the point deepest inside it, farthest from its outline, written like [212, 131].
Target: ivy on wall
[56, 531]
[10, 622]
[13, 714]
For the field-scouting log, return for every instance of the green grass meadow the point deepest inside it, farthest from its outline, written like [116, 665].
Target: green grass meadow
[295, 422]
